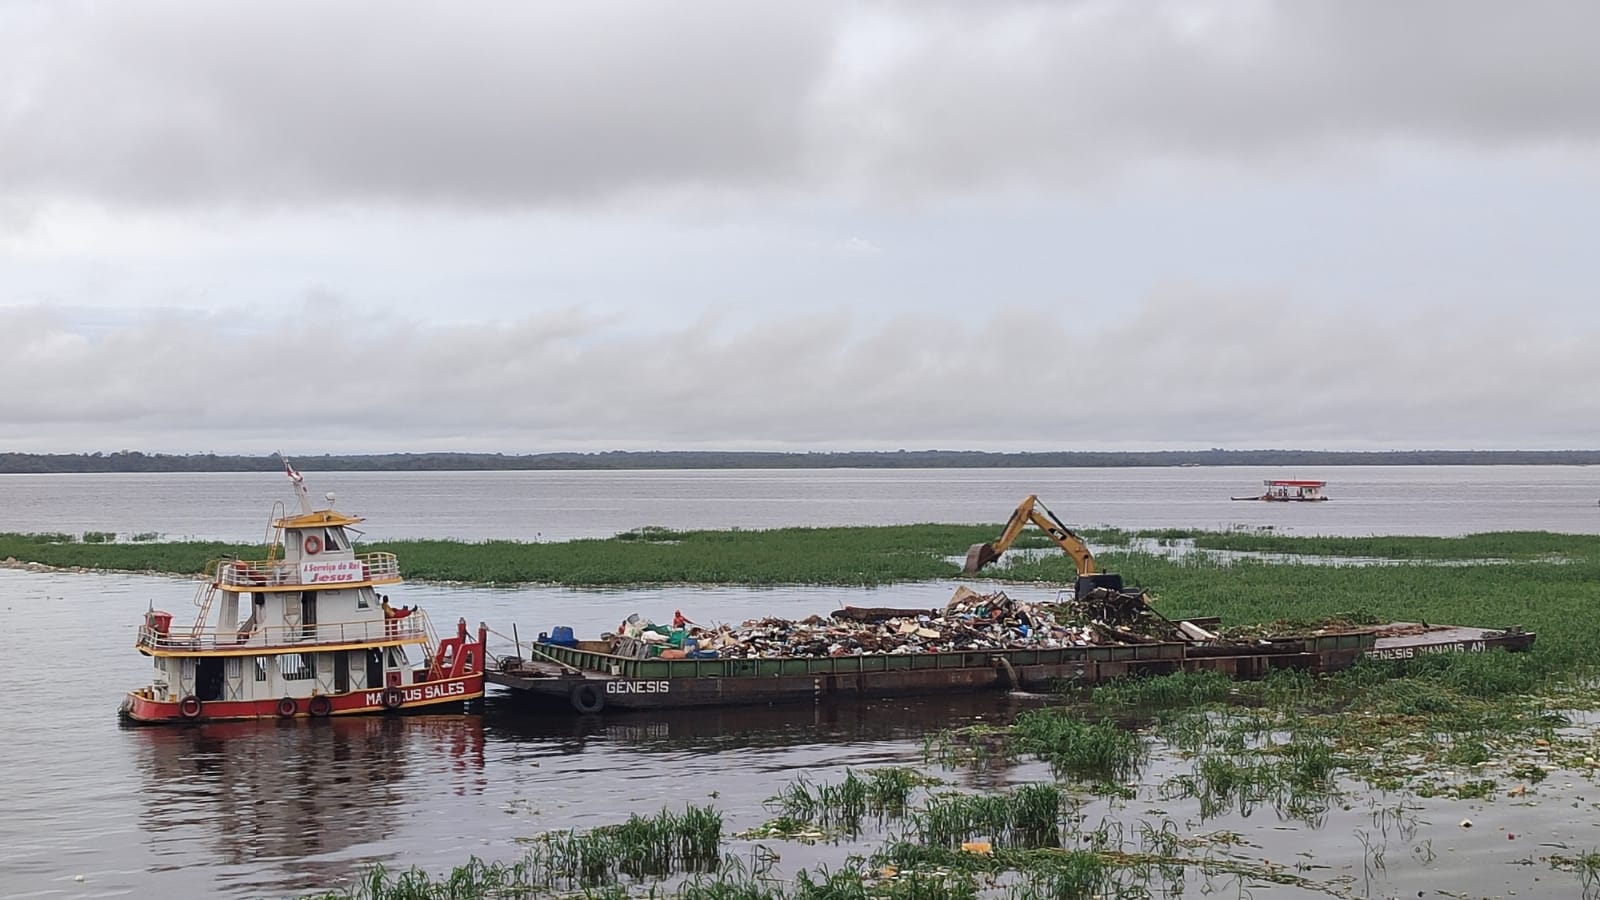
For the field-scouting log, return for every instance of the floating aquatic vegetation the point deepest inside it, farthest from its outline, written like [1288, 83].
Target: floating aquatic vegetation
[643, 846]
[842, 804]
[1092, 751]
[1165, 691]
[1027, 816]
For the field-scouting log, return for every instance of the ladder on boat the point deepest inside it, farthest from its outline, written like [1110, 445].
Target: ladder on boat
[202, 599]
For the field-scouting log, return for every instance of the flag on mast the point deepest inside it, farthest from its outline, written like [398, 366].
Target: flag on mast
[289, 470]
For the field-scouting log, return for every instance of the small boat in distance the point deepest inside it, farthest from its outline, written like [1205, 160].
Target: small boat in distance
[304, 635]
[1291, 490]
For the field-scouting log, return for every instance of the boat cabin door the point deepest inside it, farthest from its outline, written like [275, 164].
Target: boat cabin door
[374, 668]
[308, 615]
[208, 678]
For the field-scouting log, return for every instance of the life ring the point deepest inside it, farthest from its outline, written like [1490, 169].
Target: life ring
[313, 544]
[286, 708]
[189, 707]
[393, 697]
[588, 698]
[320, 706]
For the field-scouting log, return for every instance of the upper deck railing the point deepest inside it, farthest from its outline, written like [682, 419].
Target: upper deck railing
[243, 573]
[414, 627]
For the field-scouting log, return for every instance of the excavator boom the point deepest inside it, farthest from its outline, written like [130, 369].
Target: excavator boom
[1031, 510]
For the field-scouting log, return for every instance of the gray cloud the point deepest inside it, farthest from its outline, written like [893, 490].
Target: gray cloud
[1189, 370]
[501, 104]
[514, 105]
[1069, 92]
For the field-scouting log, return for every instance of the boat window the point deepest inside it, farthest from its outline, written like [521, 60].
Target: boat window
[297, 666]
[364, 598]
[233, 668]
[261, 668]
[334, 539]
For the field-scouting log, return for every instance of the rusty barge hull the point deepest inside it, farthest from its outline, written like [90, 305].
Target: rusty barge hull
[587, 679]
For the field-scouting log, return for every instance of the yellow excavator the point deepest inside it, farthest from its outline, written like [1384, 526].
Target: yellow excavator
[1031, 510]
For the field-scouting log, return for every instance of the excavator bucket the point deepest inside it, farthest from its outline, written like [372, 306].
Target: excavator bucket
[978, 556]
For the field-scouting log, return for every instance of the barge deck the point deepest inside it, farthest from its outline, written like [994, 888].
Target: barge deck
[587, 678]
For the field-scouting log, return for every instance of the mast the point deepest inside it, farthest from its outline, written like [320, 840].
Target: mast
[299, 485]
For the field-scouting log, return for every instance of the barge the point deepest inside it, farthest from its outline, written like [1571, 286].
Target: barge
[588, 677]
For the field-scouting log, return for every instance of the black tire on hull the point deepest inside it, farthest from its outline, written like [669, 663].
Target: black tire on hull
[587, 697]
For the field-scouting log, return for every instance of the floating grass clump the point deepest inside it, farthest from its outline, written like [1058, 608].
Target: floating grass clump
[788, 828]
[1180, 689]
[885, 791]
[1091, 751]
[643, 846]
[1075, 875]
[475, 879]
[1100, 753]
[1028, 816]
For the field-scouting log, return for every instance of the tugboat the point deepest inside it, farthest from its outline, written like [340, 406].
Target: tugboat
[305, 635]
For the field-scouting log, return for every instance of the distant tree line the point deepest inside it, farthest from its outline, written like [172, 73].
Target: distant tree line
[134, 461]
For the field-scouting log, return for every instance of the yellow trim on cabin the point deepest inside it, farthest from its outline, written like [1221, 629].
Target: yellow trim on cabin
[322, 518]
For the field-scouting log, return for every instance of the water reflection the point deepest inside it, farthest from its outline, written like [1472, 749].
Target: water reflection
[775, 727]
[266, 791]
[754, 726]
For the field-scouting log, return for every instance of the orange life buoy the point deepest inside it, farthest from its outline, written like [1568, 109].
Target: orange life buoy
[286, 707]
[313, 544]
[189, 707]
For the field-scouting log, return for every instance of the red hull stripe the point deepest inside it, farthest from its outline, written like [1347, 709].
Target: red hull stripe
[417, 696]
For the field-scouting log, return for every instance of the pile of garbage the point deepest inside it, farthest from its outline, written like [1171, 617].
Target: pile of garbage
[970, 621]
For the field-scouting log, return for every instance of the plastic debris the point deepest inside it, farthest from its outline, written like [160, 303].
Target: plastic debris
[970, 621]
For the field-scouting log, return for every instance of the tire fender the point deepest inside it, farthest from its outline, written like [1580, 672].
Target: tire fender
[588, 697]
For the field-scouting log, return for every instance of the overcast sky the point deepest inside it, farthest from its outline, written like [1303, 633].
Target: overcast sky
[525, 226]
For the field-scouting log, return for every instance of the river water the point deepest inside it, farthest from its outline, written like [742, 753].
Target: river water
[276, 809]
[1424, 500]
